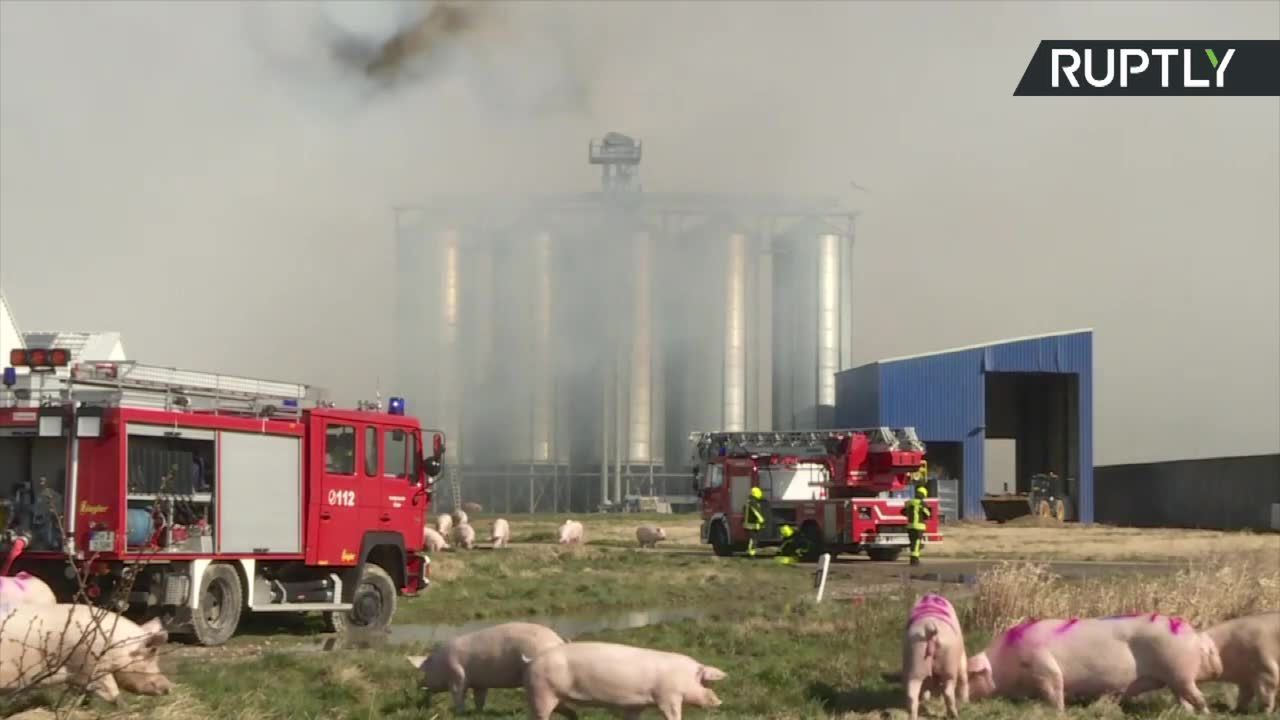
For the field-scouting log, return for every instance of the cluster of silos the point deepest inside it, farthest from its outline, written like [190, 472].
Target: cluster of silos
[568, 361]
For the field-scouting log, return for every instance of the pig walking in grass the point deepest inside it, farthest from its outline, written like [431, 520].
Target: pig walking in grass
[570, 533]
[1250, 650]
[444, 525]
[622, 678]
[1057, 660]
[933, 655]
[649, 535]
[24, 589]
[92, 648]
[434, 541]
[485, 659]
[500, 534]
[465, 536]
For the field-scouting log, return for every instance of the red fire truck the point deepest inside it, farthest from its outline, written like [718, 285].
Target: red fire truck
[216, 494]
[837, 487]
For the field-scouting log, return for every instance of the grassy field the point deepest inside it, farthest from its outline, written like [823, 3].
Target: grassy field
[786, 657]
[960, 540]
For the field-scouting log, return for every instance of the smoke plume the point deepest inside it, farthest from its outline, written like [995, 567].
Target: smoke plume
[513, 58]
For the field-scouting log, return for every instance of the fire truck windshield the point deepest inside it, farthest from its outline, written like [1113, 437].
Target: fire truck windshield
[33, 482]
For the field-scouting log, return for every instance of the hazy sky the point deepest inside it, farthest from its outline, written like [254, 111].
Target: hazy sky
[160, 176]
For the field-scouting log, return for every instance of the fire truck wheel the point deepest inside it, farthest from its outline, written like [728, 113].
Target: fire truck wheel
[372, 605]
[221, 601]
[720, 540]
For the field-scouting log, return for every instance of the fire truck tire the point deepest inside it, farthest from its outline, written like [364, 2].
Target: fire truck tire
[373, 605]
[884, 554]
[720, 540]
[221, 603]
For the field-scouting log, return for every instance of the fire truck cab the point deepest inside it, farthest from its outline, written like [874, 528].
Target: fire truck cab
[836, 487]
[194, 497]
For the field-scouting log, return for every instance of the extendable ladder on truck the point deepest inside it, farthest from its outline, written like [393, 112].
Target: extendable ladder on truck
[133, 384]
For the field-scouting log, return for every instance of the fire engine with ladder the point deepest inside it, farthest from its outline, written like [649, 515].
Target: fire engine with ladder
[215, 494]
[836, 487]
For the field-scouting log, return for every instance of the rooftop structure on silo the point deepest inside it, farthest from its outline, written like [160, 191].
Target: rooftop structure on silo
[619, 156]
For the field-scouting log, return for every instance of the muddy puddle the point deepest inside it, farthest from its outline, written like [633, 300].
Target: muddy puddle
[568, 627]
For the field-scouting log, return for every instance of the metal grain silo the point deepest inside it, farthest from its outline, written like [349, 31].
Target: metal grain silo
[813, 314]
[527, 382]
[734, 395]
[644, 398]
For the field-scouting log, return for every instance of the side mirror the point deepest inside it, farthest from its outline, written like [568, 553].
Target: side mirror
[433, 467]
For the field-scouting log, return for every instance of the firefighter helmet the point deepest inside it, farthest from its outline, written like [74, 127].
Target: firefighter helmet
[922, 491]
[757, 493]
[787, 531]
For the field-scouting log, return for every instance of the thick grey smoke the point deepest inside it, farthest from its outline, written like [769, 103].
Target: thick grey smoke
[346, 55]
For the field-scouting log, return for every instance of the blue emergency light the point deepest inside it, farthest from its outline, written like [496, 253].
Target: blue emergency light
[395, 406]
[10, 377]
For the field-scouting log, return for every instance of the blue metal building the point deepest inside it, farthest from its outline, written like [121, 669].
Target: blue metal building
[1032, 395]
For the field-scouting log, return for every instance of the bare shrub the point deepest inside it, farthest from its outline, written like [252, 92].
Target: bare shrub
[1203, 593]
[60, 667]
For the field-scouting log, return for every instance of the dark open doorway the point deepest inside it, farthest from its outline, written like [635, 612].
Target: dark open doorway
[1039, 412]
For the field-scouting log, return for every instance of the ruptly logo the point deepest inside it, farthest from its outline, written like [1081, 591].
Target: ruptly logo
[1175, 67]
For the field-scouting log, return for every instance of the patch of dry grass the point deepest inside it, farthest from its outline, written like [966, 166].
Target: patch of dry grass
[1203, 593]
[1098, 543]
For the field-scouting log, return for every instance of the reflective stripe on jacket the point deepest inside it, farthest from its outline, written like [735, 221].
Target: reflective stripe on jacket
[753, 518]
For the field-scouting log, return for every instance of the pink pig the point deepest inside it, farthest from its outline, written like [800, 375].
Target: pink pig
[24, 589]
[622, 678]
[500, 533]
[433, 540]
[1250, 651]
[570, 533]
[933, 655]
[85, 646]
[1128, 655]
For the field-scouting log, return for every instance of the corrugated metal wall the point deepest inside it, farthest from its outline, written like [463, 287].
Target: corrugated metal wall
[944, 397]
[1231, 493]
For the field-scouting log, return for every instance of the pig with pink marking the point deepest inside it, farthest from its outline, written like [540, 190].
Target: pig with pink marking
[1084, 659]
[24, 589]
[933, 655]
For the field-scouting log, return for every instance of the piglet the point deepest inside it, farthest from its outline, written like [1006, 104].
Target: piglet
[500, 533]
[489, 658]
[93, 648]
[433, 540]
[933, 654]
[1125, 655]
[622, 678]
[24, 589]
[465, 536]
[460, 517]
[444, 524]
[1250, 650]
[570, 533]
[649, 535]
[472, 507]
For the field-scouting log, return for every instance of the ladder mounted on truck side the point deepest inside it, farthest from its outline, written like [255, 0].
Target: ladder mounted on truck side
[798, 442]
[154, 387]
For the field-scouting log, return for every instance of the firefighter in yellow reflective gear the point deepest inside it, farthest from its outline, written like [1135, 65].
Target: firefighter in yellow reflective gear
[753, 518]
[794, 546]
[917, 513]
